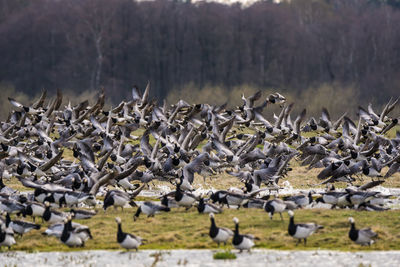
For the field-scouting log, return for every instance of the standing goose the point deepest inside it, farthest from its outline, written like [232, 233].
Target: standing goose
[275, 206]
[127, 241]
[241, 242]
[70, 236]
[6, 237]
[203, 207]
[117, 199]
[33, 209]
[184, 199]
[301, 230]
[219, 234]
[150, 209]
[361, 236]
[301, 200]
[20, 227]
[51, 216]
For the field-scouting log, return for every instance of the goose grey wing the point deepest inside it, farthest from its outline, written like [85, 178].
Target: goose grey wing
[367, 232]
[229, 231]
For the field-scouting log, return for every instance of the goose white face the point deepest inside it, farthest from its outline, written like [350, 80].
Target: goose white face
[118, 219]
[351, 220]
[291, 213]
[235, 220]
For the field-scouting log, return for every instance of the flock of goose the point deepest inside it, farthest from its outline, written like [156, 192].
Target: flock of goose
[109, 161]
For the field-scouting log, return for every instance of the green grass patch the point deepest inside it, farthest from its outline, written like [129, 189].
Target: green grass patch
[180, 229]
[224, 255]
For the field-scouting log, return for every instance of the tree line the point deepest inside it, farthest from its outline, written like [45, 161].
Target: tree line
[80, 45]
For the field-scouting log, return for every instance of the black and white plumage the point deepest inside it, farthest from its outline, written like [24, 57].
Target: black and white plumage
[125, 240]
[184, 199]
[51, 216]
[219, 234]
[301, 200]
[6, 237]
[301, 230]
[82, 214]
[241, 242]
[33, 209]
[150, 209]
[204, 207]
[117, 199]
[74, 237]
[20, 227]
[363, 236]
[57, 229]
[275, 206]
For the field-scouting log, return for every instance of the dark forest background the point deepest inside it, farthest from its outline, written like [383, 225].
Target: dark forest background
[318, 52]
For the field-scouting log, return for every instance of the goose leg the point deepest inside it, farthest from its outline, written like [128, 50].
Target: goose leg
[305, 241]
[281, 216]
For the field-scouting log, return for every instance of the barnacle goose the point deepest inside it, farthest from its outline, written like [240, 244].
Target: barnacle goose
[184, 199]
[203, 207]
[117, 199]
[50, 216]
[57, 229]
[278, 206]
[301, 230]
[150, 209]
[127, 241]
[301, 200]
[69, 238]
[20, 227]
[219, 234]
[33, 209]
[361, 236]
[241, 242]
[6, 237]
[74, 237]
[169, 202]
[82, 214]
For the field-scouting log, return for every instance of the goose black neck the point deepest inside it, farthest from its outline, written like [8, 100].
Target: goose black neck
[120, 234]
[310, 199]
[47, 213]
[213, 229]
[2, 185]
[64, 235]
[353, 234]
[292, 227]
[213, 222]
[139, 210]
[8, 219]
[178, 194]
[236, 228]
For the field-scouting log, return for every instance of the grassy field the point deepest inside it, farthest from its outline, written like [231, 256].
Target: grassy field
[188, 229]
